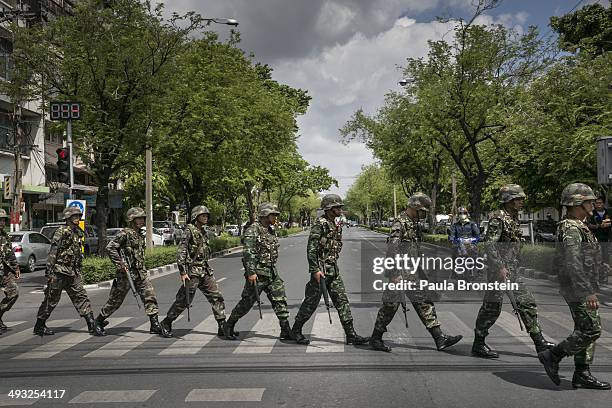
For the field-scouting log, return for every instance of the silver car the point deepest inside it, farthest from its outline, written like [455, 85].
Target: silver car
[31, 249]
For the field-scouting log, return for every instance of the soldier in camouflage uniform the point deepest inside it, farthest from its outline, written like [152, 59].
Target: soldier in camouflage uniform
[195, 272]
[324, 245]
[127, 250]
[503, 247]
[64, 273]
[10, 272]
[578, 259]
[404, 239]
[259, 259]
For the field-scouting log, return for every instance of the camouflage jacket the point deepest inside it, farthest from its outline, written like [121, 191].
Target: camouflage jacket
[260, 250]
[194, 250]
[131, 244]
[9, 262]
[578, 258]
[324, 243]
[503, 241]
[404, 238]
[66, 255]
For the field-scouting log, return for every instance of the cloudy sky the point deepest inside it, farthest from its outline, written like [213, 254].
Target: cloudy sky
[346, 53]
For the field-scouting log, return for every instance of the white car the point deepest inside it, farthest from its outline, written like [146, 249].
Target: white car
[232, 230]
[158, 238]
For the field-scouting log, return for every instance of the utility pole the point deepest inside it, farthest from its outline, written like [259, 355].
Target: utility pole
[394, 202]
[454, 189]
[16, 218]
[149, 190]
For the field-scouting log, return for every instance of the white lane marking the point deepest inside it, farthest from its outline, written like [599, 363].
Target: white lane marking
[63, 343]
[93, 397]
[330, 337]
[125, 343]
[564, 320]
[267, 331]
[13, 324]
[27, 334]
[195, 340]
[452, 325]
[509, 323]
[225, 395]
[6, 401]
[221, 280]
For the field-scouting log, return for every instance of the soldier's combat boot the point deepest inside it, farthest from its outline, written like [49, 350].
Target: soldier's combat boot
[157, 328]
[550, 361]
[352, 337]
[540, 342]
[480, 348]
[92, 326]
[41, 329]
[166, 324]
[297, 334]
[220, 331]
[286, 332]
[443, 340]
[228, 330]
[584, 379]
[101, 320]
[3, 326]
[377, 343]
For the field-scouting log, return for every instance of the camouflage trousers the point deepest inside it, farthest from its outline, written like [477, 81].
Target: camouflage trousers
[8, 284]
[73, 285]
[587, 329]
[120, 289]
[275, 290]
[425, 309]
[337, 293]
[208, 286]
[492, 306]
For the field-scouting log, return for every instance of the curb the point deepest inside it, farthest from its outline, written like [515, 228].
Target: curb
[163, 270]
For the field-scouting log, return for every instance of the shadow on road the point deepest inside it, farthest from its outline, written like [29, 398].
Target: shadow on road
[531, 379]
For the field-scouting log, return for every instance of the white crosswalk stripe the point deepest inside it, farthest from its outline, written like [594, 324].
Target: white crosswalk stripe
[564, 320]
[266, 331]
[13, 324]
[125, 343]
[225, 395]
[6, 401]
[451, 324]
[329, 337]
[509, 323]
[193, 341]
[25, 335]
[64, 342]
[100, 397]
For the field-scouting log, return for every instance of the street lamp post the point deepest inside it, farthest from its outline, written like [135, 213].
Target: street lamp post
[149, 155]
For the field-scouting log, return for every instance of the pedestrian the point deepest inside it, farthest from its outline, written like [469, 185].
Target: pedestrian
[578, 258]
[10, 272]
[195, 272]
[259, 259]
[503, 241]
[63, 272]
[324, 246]
[127, 252]
[600, 225]
[403, 241]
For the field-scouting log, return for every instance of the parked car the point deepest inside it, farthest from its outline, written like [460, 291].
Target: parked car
[158, 238]
[31, 249]
[232, 230]
[90, 246]
[170, 231]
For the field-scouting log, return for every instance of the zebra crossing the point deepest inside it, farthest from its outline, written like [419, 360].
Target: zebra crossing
[260, 336]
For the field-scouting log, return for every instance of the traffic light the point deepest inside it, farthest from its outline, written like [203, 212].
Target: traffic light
[63, 165]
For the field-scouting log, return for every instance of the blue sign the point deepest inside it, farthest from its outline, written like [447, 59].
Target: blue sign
[80, 204]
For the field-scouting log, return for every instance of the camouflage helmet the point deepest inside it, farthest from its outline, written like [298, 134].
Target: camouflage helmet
[576, 194]
[3, 213]
[266, 209]
[462, 210]
[330, 201]
[135, 212]
[420, 201]
[70, 211]
[509, 192]
[199, 210]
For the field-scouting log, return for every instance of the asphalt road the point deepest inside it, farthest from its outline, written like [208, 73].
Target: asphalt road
[131, 368]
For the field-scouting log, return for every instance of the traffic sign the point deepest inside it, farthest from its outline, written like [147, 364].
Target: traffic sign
[80, 204]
